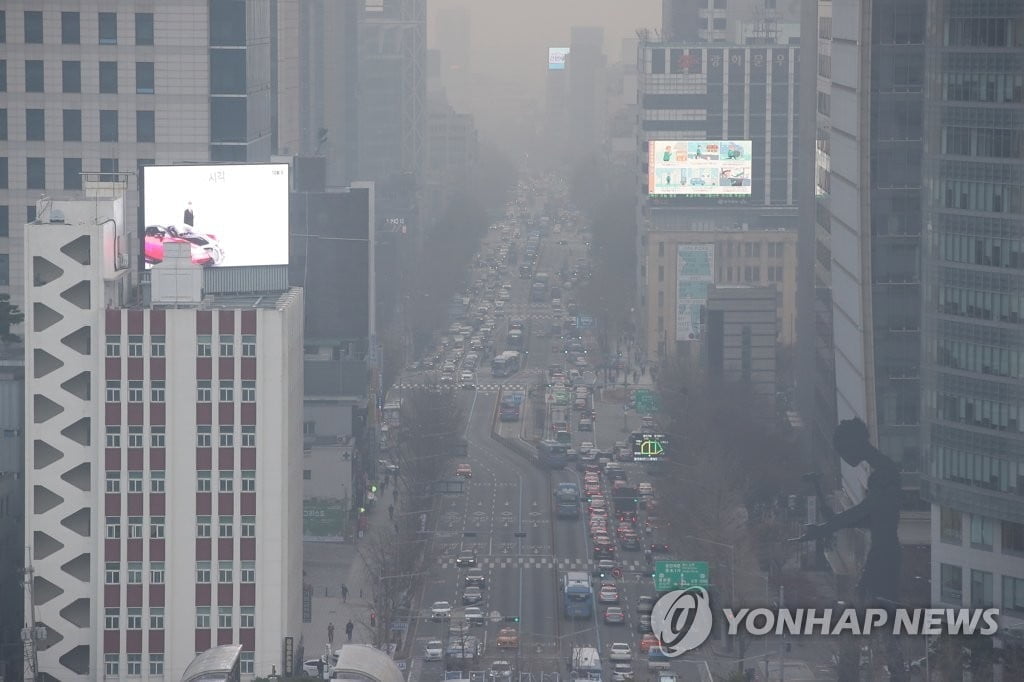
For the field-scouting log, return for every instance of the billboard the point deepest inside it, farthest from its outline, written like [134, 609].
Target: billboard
[231, 215]
[705, 168]
[556, 58]
[695, 267]
[324, 518]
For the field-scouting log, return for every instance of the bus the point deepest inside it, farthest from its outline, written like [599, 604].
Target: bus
[586, 664]
[515, 340]
[505, 364]
[552, 454]
[567, 501]
[577, 595]
[511, 405]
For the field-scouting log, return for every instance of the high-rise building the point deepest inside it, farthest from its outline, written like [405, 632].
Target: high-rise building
[164, 464]
[973, 310]
[12, 508]
[586, 66]
[93, 86]
[454, 40]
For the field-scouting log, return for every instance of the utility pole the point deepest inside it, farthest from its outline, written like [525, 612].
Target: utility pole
[31, 633]
[782, 644]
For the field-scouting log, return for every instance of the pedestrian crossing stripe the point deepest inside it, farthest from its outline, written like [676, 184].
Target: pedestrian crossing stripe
[540, 562]
[484, 388]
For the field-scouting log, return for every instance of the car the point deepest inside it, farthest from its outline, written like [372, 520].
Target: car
[630, 542]
[433, 650]
[464, 471]
[645, 604]
[475, 615]
[467, 380]
[508, 638]
[659, 548]
[472, 595]
[646, 642]
[204, 248]
[608, 595]
[620, 651]
[586, 445]
[614, 615]
[644, 623]
[644, 489]
[465, 647]
[657, 659]
[500, 670]
[622, 672]
[604, 567]
[440, 610]
[458, 627]
[466, 559]
[475, 578]
[315, 667]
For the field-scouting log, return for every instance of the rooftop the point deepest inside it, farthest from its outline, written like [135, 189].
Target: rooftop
[276, 300]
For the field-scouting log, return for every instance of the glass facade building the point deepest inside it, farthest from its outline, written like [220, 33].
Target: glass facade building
[973, 310]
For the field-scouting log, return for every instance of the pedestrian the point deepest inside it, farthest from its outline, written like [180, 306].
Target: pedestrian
[373, 619]
[391, 512]
[330, 633]
[344, 593]
[349, 627]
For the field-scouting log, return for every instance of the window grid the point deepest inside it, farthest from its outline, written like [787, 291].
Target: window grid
[157, 346]
[157, 391]
[157, 437]
[135, 346]
[227, 345]
[156, 618]
[202, 526]
[135, 481]
[113, 481]
[203, 617]
[156, 527]
[248, 481]
[156, 573]
[202, 572]
[227, 481]
[226, 527]
[225, 572]
[112, 573]
[113, 436]
[248, 526]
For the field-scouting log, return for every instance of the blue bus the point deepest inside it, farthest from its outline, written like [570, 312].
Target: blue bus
[553, 454]
[577, 595]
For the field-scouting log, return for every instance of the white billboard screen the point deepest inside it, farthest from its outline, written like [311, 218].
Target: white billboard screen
[556, 58]
[232, 215]
[695, 267]
[705, 168]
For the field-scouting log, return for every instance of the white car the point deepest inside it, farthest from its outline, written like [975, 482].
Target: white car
[586, 446]
[440, 610]
[467, 380]
[620, 651]
[475, 615]
[433, 650]
[500, 670]
[622, 672]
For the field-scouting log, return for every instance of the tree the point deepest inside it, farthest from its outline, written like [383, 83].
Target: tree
[10, 316]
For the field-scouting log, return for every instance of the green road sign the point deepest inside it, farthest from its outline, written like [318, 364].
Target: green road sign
[672, 575]
[324, 517]
[644, 401]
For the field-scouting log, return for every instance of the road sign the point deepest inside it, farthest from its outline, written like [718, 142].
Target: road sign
[449, 487]
[644, 401]
[495, 616]
[399, 627]
[671, 575]
[584, 322]
[649, 447]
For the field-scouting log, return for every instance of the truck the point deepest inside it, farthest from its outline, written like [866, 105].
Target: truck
[625, 497]
[567, 501]
[585, 664]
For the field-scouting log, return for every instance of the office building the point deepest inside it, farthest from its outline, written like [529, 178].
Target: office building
[972, 421]
[454, 33]
[741, 337]
[12, 508]
[94, 88]
[712, 21]
[164, 467]
[586, 102]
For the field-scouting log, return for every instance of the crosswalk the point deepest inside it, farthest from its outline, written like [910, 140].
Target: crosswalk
[542, 562]
[482, 388]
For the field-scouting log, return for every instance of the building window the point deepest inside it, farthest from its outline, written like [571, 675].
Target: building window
[134, 345]
[134, 664]
[113, 436]
[227, 390]
[3, 124]
[33, 27]
[134, 572]
[108, 28]
[248, 436]
[951, 525]
[35, 125]
[661, 249]
[3, 75]
[1013, 538]
[157, 346]
[157, 437]
[70, 28]
[108, 78]
[113, 346]
[33, 75]
[72, 174]
[145, 80]
[108, 125]
[952, 583]
[204, 436]
[1013, 593]
[36, 172]
[110, 665]
[156, 527]
[71, 76]
[143, 28]
[157, 482]
[247, 663]
[156, 573]
[113, 527]
[204, 347]
[248, 571]
[248, 345]
[227, 437]
[134, 619]
[224, 617]
[135, 391]
[202, 571]
[225, 572]
[981, 531]
[145, 126]
[981, 589]
[227, 528]
[203, 481]
[156, 618]
[156, 661]
[135, 481]
[247, 617]
[112, 573]
[135, 436]
[113, 391]
[248, 391]
[227, 481]
[248, 526]
[203, 526]
[30, 213]
[109, 169]
[134, 527]
[112, 619]
[248, 481]
[157, 391]
[203, 617]
[227, 345]
[72, 125]
[307, 474]
[113, 481]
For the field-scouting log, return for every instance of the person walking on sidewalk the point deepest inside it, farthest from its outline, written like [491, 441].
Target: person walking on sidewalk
[330, 633]
[344, 593]
[349, 627]
[391, 512]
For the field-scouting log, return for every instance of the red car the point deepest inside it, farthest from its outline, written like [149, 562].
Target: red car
[205, 249]
[647, 641]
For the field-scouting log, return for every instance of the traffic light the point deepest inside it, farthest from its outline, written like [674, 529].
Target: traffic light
[373, 488]
[511, 619]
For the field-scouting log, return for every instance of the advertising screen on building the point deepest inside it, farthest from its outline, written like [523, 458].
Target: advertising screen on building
[708, 168]
[556, 58]
[695, 267]
[231, 215]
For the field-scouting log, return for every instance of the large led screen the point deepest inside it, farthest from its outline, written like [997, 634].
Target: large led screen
[708, 168]
[231, 215]
[556, 58]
